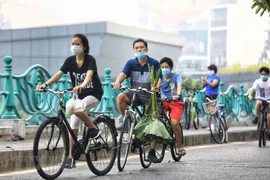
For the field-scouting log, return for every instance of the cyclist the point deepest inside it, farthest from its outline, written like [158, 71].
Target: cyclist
[211, 83]
[262, 88]
[85, 80]
[137, 70]
[170, 85]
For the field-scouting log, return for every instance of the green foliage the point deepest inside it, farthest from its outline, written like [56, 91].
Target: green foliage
[261, 5]
[237, 68]
[190, 83]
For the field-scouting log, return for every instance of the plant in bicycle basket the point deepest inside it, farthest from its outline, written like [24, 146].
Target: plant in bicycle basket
[149, 128]
[191, 85]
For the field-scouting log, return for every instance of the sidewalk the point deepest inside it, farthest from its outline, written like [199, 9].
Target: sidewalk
[18, 154]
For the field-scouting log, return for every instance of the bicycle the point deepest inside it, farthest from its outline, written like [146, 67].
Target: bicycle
[191, 110]
[262, 121]
[51, 143]
[219, 130]
[128, 141]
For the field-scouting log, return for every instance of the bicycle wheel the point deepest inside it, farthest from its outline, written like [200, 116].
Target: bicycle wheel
[218, 132]
[187, 114]
[226, 140]
[144, 150]
[174, 148]
[50, 149]
[125, 142]
[101, 152]
[196, 120]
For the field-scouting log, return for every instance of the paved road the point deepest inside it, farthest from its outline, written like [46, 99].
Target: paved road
[239, 160]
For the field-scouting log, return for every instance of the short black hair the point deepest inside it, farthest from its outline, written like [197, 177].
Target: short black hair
[84, 42]
[213, 67]
[265, 69]
[140, 40]
[167, 60]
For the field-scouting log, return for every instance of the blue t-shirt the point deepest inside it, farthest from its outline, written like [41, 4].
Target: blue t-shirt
[169, 88]
[139, 75]
[209, 90]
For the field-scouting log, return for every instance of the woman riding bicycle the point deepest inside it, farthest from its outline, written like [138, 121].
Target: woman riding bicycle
[85, 80]
[211, 83]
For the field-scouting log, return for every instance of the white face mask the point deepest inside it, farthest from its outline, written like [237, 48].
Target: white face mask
[76, 50]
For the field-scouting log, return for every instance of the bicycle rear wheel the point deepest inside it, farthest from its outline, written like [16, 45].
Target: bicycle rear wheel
[187, 114]
[125, 142]
[196, 121]
[101, 152]
[218, 132]
[174, 147]
[50, 149]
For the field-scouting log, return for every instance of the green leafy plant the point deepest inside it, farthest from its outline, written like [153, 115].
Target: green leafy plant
[261, 5]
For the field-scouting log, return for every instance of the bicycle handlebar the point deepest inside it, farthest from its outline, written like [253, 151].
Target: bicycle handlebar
[220, 94]
[56, 92]
[139, 89]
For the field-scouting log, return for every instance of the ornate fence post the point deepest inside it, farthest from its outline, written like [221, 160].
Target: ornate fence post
[8, 86]
[242, 110]
[108, 92]
[222, 99]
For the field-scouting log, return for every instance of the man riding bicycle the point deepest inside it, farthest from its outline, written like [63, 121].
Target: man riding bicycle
[262, 88]
[137, 70]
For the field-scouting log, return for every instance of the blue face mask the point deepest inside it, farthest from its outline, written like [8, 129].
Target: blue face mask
[211, 73]
[263, 77]
[140, 55]
[166, 72]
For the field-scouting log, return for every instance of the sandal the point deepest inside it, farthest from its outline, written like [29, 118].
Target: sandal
[182, 152]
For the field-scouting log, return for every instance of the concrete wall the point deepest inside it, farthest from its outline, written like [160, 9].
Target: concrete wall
[50, 46]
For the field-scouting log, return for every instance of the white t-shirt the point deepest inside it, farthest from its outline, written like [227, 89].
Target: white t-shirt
[262, 88]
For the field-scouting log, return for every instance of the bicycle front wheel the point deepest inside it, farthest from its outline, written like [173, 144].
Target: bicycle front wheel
[187, 114]
[125, 142]
[50, 148]
[101, 152]
[217, 130]
[196, 121]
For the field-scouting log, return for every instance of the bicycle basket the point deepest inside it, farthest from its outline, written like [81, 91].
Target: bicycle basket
[207, 105]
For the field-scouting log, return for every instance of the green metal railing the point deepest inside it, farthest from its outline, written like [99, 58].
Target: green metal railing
[21, 101]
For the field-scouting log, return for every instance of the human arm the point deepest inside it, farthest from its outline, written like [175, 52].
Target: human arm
[52, 80]
[211, 84]
[179, 91]
[122, 76]
[250, 95]
[86, 81]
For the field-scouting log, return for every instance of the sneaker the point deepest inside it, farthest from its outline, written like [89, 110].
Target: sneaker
[70, 163]
[93, 133]
[152, 156]
[255, 120]
[268, 137]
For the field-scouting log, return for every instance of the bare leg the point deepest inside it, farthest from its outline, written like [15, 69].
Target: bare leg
[84, 117]
[268, 122]
[122, 101]
[71, 142]
[177, 132]
[258, 105]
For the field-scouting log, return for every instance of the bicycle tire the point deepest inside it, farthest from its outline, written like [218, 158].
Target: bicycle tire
[125, 142]
[260, 128]
[102, 152]
[218, 133]
[174, 148]
[50, 153]
[144, 150]
[196, 121]
[187, 114]
[226, 128]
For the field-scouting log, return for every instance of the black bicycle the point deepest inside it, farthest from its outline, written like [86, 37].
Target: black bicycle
[128, 141]
[51, 143]
[262, 126]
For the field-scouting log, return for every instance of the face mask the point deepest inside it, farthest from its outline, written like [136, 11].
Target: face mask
[166, 72]
[76, 50]
[211, 73]
[140, 55]
[263, 77]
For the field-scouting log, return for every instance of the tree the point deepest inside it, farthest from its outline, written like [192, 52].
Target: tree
[262, 5]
